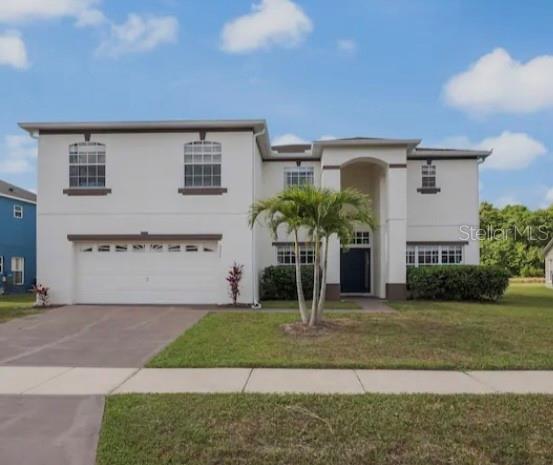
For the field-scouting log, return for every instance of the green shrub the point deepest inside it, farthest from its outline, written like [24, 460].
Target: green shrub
[528, 271]
[458, 282]
[279, 283]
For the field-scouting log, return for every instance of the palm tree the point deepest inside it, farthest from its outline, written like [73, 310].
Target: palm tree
[322, 213]
[309, 200]
[285, 208]
[340, 213]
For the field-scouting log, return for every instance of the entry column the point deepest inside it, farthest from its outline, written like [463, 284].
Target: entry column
[331, 179]
[396, 231]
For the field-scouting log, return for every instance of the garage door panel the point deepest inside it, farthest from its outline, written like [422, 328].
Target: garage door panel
[147, 276]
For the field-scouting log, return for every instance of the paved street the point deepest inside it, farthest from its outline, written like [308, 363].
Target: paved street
[49, 430]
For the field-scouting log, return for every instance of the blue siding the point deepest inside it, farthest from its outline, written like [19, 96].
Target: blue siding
[18, 239]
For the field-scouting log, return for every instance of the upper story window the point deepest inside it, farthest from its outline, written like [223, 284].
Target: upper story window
[428, 179]
[428, 175]
[298, 176]
[202, 164]
[87, 164]
[18, 212]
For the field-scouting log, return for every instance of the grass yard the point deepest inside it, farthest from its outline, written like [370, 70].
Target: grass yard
[14, 306]
[513, 334]
[246, 429]
[293, 304]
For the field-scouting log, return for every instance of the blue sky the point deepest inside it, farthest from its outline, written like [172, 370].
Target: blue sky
[459, 73]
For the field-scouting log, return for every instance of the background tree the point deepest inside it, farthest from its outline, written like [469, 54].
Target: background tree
[520, 249]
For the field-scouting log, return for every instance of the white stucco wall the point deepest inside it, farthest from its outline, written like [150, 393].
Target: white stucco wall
[144, 172]
[271, 184]
[439, 217]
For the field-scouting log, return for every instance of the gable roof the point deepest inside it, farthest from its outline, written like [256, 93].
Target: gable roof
[548, 247]
[14, 192]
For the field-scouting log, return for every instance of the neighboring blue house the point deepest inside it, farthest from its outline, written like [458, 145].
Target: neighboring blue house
[17, 238]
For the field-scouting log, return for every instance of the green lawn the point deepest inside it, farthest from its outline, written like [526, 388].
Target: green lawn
[246, 429]
[514, 334]
[293, 304]
[13, 306]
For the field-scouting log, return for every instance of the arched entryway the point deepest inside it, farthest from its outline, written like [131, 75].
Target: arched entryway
[361, 262]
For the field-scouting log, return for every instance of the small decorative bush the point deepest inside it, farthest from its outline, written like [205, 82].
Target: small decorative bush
[233, 278]
[279, 282]
[458, 282]
[41, 293]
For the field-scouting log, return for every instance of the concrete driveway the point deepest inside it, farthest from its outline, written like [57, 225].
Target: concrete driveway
[93, 336]
[63, 430]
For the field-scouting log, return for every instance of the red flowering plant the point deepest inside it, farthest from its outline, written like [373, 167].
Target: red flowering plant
[233, 278]
[41, 293]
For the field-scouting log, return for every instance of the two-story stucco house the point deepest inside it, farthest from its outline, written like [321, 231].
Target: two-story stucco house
[17, 238]
[157, 212]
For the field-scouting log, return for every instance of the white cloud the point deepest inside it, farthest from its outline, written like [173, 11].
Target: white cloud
[13, 51]
[90, 18]
[511, 150]
[139, 34]
[327, 137]
[348, 46]
[13, 11]
[497, 83]
[286, 139]
[271, 22]
[20, 154]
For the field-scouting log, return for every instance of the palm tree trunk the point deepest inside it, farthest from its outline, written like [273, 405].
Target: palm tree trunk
[322, 296]
[316, 266]
[299, 287]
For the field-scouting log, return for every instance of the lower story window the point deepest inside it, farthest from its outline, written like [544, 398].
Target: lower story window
[18, 270]
[452, 254]
[424, 255]
[287, 256]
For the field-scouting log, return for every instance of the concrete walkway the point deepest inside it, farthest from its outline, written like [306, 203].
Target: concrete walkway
[47, 381]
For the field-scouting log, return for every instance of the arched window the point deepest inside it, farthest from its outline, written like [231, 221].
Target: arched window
[87, 164]
[202, 164]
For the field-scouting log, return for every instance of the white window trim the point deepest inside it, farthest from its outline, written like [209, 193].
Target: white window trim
[18, 208]
[433, 175]
[215, 150]
[307, 172]
[290, 248]
[1, 264]
[357, 245]
[22, 270]
[75, 150]
[439, 248]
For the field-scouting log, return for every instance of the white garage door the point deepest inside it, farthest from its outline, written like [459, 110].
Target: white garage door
[147, 273]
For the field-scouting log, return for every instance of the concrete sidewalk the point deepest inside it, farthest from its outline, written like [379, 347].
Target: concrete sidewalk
[102, 381]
